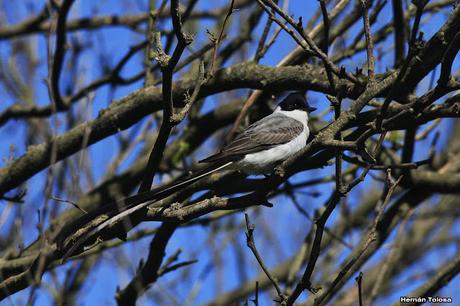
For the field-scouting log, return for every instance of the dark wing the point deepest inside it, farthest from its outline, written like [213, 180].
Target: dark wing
[264, 134]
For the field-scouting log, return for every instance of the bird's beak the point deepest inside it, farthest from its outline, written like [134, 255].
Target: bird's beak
[310, 109]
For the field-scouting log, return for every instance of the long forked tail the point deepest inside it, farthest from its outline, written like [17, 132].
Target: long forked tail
[141, 201]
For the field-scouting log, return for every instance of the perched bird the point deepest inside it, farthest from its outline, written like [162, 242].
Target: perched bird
[270, 140]
[257, 150]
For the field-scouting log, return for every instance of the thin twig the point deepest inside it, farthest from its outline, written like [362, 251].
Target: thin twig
[402, 72]
[58, 58]
[305, 282]
[252, 246]
[260, 51]
[256, 295]
[399, 25]
[69, 202]
[359, 280]
[389, 261]
[326, 23]
[167, 65]
[218, 41]
[369, 42]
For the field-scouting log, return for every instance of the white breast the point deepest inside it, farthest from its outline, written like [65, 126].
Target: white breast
[263, 162]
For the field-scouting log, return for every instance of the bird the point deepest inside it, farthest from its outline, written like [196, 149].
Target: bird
[256, 150]
[270, 140]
